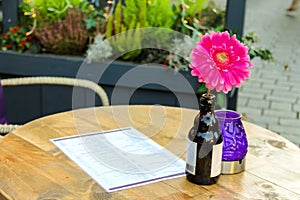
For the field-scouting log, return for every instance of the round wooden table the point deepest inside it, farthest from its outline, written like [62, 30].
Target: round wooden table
[33, 168]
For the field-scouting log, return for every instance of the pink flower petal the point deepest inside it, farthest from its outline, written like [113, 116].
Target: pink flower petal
[220, 61]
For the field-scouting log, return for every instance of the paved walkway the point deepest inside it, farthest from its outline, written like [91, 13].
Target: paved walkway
[271, 98]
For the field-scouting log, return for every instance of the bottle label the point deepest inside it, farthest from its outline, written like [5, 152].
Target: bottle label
[216, 162]
[191, 156]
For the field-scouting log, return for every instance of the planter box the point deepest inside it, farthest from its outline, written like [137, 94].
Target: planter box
[125, 83]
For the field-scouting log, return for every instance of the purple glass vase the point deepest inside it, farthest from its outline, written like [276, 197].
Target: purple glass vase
[235, 144]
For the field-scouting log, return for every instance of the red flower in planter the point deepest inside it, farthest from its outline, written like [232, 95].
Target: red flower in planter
[15, 39]
[22, 43]
[5, 35]
[15, 29]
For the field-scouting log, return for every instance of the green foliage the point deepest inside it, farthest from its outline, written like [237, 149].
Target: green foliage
[134, 15]
[109, 26]
[211, 17]
[184, 17]
[118, 18]
[250, 39]
[264, 54]
[128, 42]
[95, 3]
[195, 7]
[149, 13]
[114, 23]
[135, 12]
[160, 14]
[122, 40]
[27, 14]
[197, 16]
[94, 17]
[28, 19]
[53, 10]
[201, 89]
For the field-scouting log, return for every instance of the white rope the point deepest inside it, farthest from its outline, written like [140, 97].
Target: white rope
[59, 81]
[6, 128]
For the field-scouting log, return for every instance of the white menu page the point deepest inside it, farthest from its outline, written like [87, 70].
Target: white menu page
[122, 158]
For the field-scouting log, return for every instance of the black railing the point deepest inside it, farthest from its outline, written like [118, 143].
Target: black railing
[235, 15]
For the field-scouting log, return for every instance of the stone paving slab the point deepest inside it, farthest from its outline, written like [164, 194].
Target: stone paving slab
[271, 98]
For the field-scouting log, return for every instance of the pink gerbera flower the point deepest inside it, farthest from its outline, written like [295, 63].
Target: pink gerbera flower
[220, 61]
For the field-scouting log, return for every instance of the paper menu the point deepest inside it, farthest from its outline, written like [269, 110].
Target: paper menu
[121, 158]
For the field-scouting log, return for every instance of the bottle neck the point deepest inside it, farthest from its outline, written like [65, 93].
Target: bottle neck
[207, 103]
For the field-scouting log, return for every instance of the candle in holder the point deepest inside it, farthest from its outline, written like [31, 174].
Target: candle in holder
[235, 144]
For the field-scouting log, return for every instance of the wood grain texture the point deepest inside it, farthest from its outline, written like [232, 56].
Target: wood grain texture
[33, 168]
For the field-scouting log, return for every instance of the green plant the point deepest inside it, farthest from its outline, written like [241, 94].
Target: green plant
[148, 13]
[67, 36]
[33, 16]
[264, 54]
[34, 13]
[123, 43]
[194, 7]
[53, 10]
[27, 16]
[115, 24]
[187, 14]
[94, 17]
[95, 3]
[130, 18]
[211, 17]
[15, 39]
[178, 58]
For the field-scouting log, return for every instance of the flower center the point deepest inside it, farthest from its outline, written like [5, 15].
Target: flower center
[222, 57]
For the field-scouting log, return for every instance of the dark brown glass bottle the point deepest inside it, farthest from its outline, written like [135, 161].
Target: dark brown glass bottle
[204, 145]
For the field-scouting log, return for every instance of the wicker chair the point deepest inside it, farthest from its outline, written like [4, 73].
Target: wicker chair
[6, 128]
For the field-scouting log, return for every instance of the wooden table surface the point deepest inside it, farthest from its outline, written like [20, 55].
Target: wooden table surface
[31, 167]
